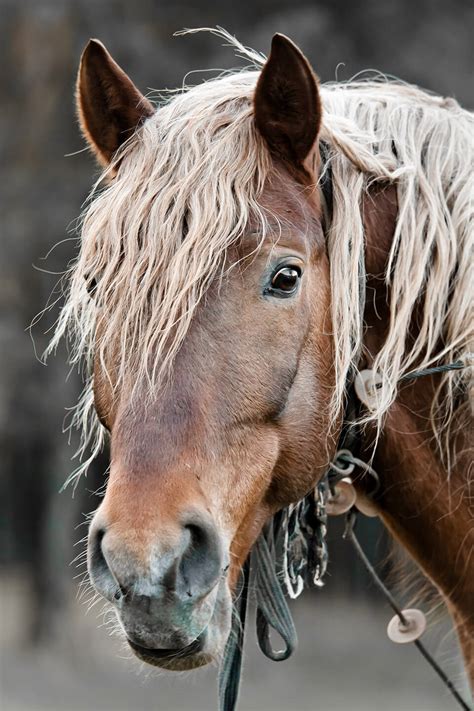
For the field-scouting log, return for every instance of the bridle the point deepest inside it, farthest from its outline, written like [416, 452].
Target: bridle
[292, 548]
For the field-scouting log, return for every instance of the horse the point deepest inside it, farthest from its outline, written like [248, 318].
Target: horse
[254, 244]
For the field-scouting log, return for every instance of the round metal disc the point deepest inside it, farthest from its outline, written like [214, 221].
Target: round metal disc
[366, 385]
[343, 500]
[402, 634]
[365, 506]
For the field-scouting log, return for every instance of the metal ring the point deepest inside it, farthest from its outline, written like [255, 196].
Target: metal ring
[344, 456]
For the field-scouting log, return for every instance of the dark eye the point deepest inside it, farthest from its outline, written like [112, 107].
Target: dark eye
[285, 281]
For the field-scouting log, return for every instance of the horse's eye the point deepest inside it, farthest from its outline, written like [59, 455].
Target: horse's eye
[285, 281]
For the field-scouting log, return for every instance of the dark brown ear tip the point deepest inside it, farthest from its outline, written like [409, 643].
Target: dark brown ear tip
[279, 37]
[94, 48]
[282, 42]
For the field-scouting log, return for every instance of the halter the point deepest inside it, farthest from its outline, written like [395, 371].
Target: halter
[293, 546]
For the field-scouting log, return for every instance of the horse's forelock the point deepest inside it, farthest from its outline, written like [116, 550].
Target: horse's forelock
[156, 236]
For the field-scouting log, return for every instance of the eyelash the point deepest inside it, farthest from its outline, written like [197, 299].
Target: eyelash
[290, 272]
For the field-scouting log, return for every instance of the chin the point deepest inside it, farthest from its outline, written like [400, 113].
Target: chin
[207, 648]
[177, 660]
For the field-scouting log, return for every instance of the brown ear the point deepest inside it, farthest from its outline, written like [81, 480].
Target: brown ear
[109, 105]
[287, 103]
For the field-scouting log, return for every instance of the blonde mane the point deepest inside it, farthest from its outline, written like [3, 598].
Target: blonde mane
[155, 237]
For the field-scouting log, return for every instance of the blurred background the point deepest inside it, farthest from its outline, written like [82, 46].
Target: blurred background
[55, 655]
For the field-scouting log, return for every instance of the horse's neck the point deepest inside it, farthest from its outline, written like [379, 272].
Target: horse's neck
[430, 512]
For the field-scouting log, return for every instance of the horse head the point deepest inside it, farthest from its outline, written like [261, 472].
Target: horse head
[208, 306]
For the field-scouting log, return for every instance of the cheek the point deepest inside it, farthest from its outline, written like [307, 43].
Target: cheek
[305, 439]
[246, 508]
[243, 476]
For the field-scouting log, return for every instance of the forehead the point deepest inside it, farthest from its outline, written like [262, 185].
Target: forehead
[292, 211]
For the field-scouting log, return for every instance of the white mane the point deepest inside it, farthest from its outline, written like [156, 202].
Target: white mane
[197, 167]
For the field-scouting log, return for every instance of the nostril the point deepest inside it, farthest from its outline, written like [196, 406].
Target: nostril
[97, 562]
[100, 574]
[193, 557]
[200, 564]
[199, 540]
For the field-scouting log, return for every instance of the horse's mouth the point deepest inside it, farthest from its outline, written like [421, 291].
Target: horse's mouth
[206, 648]
[179, 659]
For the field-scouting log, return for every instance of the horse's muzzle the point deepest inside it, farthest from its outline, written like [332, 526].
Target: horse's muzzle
[165, 590]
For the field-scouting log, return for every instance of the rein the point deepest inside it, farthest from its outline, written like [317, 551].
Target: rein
[293, 545]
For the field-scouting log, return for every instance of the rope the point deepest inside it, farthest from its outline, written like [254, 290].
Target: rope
[272, 608]
[349, 534]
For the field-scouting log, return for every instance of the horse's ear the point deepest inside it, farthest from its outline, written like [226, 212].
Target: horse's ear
[287, 104]
[109, 105]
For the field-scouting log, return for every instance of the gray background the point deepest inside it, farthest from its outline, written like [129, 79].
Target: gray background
[52, 654]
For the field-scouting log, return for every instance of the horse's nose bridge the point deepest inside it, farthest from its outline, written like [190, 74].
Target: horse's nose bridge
[136, 528]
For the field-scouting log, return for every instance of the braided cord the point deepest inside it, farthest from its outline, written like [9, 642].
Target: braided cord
[457, 365]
